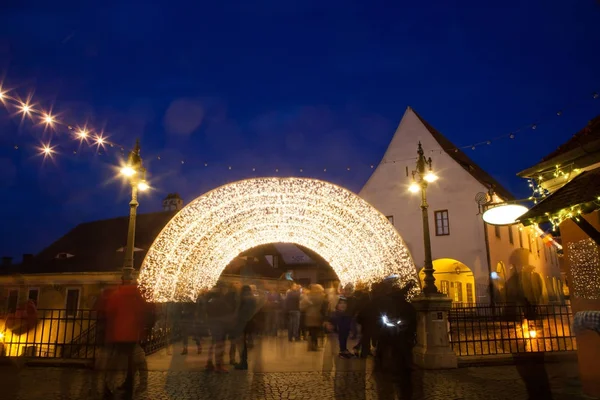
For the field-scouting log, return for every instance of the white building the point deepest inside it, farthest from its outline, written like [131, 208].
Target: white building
[464, 256]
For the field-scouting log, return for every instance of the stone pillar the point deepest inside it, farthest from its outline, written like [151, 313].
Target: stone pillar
[433, 350]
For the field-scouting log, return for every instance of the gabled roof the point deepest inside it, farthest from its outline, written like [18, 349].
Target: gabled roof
[469, 165]
[587, 135]
[98, 247]
[581, 190]
[581, 150]
[94, 246]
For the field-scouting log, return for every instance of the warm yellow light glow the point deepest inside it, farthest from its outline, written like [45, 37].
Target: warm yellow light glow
[532, 334]
[414, 187]
[1, 335]
[430, 177]
[128, 171]
[201, 240]
[100, 140]
[25, 109]
[82, 134]
[505, 214]
[46, 150]
[48, 119]
[143, 186]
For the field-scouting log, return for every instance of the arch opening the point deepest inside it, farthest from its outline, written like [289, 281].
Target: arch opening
[192, 250]
[454, 279]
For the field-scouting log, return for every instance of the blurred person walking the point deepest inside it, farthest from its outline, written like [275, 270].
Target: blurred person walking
[219, 313]
[126, 320]
[187, 324]
[312, 304]
[243, 326]
[292, 307]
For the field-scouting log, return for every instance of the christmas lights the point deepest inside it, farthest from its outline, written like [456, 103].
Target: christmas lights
[205, 236]
[584, 259]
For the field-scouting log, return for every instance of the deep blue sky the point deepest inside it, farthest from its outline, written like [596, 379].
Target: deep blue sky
[278, 84]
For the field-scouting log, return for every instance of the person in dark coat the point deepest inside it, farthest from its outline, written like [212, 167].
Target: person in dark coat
[187, 324]
[246, 311]
[292, 307]
[220, 316]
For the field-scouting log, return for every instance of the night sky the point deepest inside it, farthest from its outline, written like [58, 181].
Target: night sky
[276, 84]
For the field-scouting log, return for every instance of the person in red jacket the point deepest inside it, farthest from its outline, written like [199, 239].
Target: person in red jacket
[126, 314]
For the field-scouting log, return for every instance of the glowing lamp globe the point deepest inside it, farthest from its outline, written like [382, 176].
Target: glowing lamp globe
[506, 214]
[430, 177]
[414, 187]
[143, 186]
[127, 171]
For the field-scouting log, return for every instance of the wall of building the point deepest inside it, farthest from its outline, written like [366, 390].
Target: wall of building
[454, 191]
[571, 233]
[520, 265]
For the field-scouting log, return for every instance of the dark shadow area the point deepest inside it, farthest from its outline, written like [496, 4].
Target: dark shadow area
[532, 371]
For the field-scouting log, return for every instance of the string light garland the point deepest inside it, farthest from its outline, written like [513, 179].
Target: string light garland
[100, 143]
[584, 259]
[192, 250]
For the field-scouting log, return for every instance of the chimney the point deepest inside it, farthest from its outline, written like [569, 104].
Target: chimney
[6, 261]
[27, 258]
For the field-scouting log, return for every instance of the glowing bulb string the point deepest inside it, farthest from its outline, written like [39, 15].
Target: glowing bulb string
[525, 128]
[99, 140]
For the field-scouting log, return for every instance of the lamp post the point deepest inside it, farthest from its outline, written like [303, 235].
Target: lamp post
[421, 177]
[135, 173]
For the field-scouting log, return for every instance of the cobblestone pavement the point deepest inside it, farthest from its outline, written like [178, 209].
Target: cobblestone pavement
[464, 383]
[282, 370]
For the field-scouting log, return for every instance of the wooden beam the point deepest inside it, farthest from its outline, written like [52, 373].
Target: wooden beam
[587, 228]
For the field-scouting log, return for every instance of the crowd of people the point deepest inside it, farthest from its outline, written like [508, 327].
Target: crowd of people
[233, 315]
[379, 318]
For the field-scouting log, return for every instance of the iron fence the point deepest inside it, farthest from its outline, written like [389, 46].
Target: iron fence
[73, 334]
[508, 328]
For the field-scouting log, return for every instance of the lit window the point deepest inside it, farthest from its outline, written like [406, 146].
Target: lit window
[470, 293]
[445, 287]
[458, 294]
[72, 302]
[510, 235]
[442, 224]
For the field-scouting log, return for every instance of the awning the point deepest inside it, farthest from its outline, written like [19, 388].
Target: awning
[582, 191]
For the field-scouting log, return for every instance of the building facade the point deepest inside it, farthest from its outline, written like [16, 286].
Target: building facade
[474, 262]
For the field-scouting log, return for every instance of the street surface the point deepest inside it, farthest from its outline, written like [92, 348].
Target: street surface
[283, 370]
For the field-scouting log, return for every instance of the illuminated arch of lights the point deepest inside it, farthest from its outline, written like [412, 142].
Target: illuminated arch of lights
[190, 253]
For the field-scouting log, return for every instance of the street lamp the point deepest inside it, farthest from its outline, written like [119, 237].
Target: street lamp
[135, 173]
[421, 177]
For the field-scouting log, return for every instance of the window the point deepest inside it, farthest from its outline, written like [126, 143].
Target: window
[546, 253]
[511, 239]
[470, 291]
[529, 241]
[458, 294]
[72, 302]
[442, 225]
[34, 293]
[445, 287]
[13, 300]
[520, 238]
[537, 247]
[391, 219]
[497, 230]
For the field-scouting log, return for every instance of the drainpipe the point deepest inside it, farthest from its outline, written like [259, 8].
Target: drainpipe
[489, 262]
